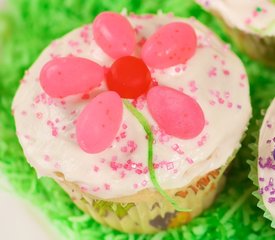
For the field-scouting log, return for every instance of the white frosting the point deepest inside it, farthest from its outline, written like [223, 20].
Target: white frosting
[266, 161]
[254, 16]
[214, 76]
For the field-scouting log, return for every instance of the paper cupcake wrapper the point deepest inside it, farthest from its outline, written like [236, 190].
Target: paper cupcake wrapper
[153, 213]
[253, 174]
[257, 46]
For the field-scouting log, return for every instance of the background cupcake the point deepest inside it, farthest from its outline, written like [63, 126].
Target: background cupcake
[235, 207]
[262, 173]
[251, 24]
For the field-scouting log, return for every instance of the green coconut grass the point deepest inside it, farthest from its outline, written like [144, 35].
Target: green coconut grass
[26, 28]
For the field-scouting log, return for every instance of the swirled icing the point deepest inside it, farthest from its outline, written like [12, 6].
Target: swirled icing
[254, 16]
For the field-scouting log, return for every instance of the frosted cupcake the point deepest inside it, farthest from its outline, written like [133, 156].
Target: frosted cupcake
[251, 24]
[266, 165]
[136, 123]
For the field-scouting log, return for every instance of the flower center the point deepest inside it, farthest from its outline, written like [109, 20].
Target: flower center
[129, 77]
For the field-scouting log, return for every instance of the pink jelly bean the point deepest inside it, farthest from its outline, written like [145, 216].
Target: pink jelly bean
[99, 122]
[114, 34]
[175, 112]
[66, 76]
[171, 45]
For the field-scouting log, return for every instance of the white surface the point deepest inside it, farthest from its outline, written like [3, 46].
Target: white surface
[19, 220]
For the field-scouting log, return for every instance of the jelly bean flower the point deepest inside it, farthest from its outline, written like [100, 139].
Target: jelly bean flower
[128, 77]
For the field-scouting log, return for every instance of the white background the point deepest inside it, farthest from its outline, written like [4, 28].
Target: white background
[19, 220]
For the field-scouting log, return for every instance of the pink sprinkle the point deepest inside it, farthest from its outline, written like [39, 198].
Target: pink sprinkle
[221, 101]
[50, 123]
[39, 115]
[123, 135]
[229, 104]
[212, 72]
[135, 186]
[170, 165]
[107, 186]
[27, 137]
[241, 85]
[226, 72]
[193, 87]
[54, 132]
[132, 145]
[96, 168]
[239, 106]
[177, 149]
[124, 125]
[72, 135]
[57, 165]
[113, 165]
[189, 160]
[122, 174]
[95, 189]
[212, 103]
[24, 113]
[138, 171]
[248, 21]
[83, 189]
[47, 158]
[141, 42]
[177, 69]
[144, 183]
[124, 149]
[73, 43]
[243, 76]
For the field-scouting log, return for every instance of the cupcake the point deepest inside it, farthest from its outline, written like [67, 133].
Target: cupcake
[265, 176]
[136, 123]
[251, 24]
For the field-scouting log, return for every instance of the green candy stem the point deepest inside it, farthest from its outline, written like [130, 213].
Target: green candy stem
[142, 120]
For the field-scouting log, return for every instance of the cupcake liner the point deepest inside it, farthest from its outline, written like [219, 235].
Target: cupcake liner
[150, 212]
[257, 46]
[253, 175]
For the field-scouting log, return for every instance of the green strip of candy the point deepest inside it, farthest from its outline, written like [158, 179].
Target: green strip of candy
[142, 120]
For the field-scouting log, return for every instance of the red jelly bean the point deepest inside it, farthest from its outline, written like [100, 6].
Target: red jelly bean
[99, 122]
[171, 45]
[175, 112]
[129, 77]
[62, 77]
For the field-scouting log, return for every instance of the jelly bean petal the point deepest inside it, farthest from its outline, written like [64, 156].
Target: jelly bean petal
[129, 77]
[62, 77]
[114, 34]
[171, 45]
[99, 122]
[175, 112]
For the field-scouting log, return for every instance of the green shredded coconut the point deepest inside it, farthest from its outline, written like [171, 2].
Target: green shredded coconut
[26, 28]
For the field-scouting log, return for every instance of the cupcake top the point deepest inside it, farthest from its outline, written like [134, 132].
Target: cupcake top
[266, 160]
[105, 107]
[253, 16]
